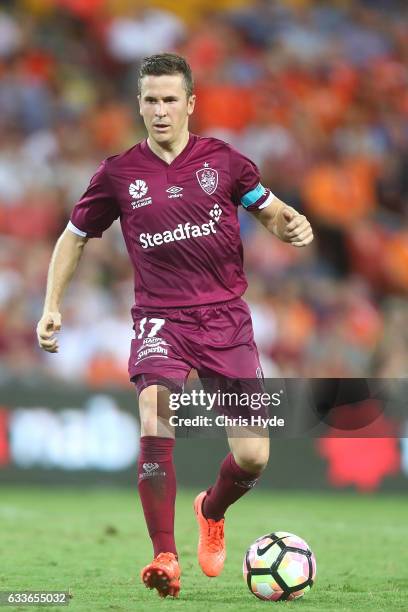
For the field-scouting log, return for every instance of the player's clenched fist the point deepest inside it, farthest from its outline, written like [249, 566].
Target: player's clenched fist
[294, 228]
[49, 323]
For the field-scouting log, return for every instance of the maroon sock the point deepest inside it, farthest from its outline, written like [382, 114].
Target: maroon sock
[157, 490]
[232, 483]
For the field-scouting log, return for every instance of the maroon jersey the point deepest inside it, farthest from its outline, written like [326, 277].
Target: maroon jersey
[179, 220]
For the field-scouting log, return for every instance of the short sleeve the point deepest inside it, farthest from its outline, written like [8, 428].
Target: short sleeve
[247, 189]
[97, 209]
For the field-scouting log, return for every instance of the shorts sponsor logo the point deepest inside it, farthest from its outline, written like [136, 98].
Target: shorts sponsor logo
[207, 179]
[160, 351]
[152, 347]
[138, 189]
[155, 340]
[183, 231]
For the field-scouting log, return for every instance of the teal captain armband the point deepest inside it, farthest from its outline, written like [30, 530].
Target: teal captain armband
[253, 196]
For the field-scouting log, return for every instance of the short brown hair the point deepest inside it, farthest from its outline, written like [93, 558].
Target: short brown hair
[166, 63]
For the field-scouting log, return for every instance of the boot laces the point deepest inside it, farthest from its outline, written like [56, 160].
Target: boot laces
[215, 534]
[165, 558]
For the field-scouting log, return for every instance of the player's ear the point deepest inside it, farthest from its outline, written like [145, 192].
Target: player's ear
[191, 104]
[139, 99]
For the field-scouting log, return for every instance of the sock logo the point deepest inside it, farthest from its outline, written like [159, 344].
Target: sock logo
[150, 470]
[149, 467]
[246, 484]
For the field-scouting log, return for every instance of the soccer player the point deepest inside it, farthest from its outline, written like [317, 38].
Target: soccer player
[177, 197]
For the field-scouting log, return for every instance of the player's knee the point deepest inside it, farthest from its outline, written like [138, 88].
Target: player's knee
[153, 419]
[149, 426]
[156, 426]
[253, 464]
[252, 458]
[148, 412]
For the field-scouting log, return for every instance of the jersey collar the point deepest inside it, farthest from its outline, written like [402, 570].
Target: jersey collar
[146, 150]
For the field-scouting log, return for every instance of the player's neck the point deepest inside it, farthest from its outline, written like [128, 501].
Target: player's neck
[169, 151]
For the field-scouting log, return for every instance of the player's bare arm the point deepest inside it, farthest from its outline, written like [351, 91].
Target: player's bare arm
[64, 260]
[286, 223]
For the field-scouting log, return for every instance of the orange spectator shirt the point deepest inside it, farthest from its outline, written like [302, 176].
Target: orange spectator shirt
[340, 194]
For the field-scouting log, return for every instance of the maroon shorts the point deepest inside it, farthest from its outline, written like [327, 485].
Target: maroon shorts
[216, 340]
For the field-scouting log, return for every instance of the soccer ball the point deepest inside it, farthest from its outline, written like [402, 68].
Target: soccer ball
[279, 566]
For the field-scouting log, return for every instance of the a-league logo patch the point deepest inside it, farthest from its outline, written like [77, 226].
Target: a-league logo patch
[138, 189]
[207, 179]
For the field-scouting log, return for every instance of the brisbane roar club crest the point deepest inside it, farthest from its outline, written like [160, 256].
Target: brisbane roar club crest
[207, 179]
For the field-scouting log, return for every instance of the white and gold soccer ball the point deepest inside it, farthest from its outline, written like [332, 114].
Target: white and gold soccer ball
[279, 566]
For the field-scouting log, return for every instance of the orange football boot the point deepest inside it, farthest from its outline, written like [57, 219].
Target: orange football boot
[211, 543]
[163, 574]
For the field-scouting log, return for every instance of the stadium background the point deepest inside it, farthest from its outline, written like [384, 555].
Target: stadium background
[316, 93]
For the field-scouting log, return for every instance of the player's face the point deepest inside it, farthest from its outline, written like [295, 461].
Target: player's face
[165, 107]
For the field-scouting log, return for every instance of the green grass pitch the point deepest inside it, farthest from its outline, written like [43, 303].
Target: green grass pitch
[93, 542]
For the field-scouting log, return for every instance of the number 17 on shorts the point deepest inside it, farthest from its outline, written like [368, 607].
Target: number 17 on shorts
[150, 343]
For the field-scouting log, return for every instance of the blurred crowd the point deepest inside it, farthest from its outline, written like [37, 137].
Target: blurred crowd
[316, 93]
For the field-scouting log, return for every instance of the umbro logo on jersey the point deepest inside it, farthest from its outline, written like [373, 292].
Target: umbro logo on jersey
[175, 192]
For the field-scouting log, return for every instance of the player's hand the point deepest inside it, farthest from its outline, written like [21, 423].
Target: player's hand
[49, 323]
[297, 229]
